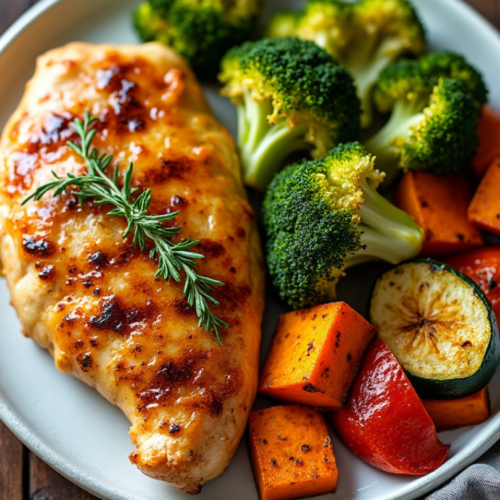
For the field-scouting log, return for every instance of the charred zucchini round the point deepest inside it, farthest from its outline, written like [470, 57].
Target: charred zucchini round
[439, 325]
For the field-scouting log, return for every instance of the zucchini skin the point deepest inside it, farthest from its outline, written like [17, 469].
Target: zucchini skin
[428, 388]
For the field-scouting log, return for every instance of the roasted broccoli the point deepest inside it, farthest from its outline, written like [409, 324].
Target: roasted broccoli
[200, 30]
[433, 122]
[326, 22]
[445, 64]
[291, 96]
[282, 24]
[365, 36]
[323, 216]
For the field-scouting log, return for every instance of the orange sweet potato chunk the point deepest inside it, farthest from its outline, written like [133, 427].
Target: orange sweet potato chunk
[315, 355]
[489, 140]
[439, 204]
[292, 454]
[450, 414]
[484, 209]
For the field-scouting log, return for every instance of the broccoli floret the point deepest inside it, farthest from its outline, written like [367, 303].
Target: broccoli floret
[384, 31]
[162, 6]
[433, 122]
[365, 36]
[150, 26]
[325, 22]
[291, 96]
[323, 216]
[445, 64]
[200, 30]
[282, 24]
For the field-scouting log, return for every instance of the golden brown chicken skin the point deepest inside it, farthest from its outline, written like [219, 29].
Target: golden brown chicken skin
[89, 297]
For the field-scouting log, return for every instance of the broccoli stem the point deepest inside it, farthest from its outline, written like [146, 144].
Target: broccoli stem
[405, 114]
[264, 147]
[389, 234]
[365, 64]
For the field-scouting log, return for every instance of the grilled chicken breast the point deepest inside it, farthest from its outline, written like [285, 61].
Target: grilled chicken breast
[90, 297]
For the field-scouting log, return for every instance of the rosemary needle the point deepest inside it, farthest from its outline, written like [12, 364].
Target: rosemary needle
[174, 259]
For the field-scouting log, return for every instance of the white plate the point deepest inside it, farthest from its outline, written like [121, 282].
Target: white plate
[69, 425]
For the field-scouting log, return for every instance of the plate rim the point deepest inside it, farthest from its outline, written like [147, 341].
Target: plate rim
[96, 486]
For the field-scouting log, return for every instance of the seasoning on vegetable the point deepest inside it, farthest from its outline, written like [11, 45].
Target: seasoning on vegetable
[298, 466]
[315, 355]
[439, 205]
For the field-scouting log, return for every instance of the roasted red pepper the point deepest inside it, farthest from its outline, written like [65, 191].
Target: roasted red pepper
[384, 421]
[482, 266]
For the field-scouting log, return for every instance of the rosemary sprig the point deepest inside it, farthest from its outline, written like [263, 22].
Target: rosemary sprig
[173, 258]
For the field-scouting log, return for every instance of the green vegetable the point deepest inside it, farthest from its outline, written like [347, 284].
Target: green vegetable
[200, 30]
[439, 325]
[365, 36]
[291, 96]
[282, 24]
[323, 216]
[174, 259]
[445, 64]
[433, 121]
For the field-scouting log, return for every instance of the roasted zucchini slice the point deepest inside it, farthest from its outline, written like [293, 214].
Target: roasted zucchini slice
[439, 325]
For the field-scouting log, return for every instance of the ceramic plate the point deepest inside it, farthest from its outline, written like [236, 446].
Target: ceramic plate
[84, 437]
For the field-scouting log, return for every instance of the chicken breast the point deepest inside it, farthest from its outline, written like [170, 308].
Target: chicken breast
[90, 297]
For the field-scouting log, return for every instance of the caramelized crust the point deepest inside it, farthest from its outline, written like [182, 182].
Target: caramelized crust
[91, 298]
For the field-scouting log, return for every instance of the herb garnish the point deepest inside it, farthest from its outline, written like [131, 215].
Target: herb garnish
[173, 258]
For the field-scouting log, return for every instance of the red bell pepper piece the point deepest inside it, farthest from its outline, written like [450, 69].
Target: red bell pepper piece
[384, 422]
[482, 266]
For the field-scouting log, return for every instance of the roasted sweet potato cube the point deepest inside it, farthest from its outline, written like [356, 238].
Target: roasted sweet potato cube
[448, 414]
[489, 140]
[484, 209]
[315, 355]
[439, 203]
[292, 454]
